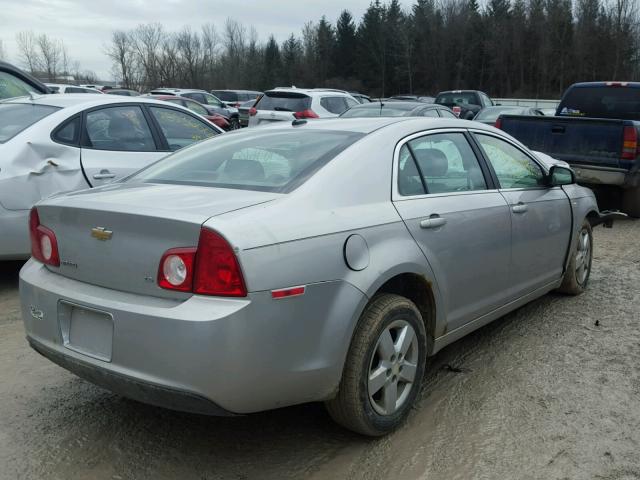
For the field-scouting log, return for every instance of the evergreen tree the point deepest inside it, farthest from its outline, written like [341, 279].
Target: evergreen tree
[345, 49]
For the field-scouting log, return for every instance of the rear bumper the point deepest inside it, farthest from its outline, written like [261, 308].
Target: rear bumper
[14, 234]
[131, 387]
[205, 354]
[594, 175]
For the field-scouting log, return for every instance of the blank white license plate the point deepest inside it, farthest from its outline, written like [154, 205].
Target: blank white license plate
[86, 330]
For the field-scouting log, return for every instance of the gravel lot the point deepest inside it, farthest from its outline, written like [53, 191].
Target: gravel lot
[545, 392]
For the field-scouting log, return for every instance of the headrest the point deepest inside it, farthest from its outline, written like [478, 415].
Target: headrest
[244, 170]
[432, 162]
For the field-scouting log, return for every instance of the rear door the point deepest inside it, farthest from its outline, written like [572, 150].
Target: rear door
[117, 141]
[446, 198]
[278, 106]
[541, 216]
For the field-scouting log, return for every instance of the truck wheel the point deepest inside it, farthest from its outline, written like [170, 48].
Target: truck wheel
[631, 202]
[384, 367]
[576, 277]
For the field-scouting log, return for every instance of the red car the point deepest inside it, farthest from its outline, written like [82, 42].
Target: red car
[198, 108]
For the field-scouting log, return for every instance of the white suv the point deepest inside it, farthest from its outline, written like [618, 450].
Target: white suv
[288, 104]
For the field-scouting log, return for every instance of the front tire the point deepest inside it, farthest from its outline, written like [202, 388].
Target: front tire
[578, 271]
[384, 367]
[234, 123]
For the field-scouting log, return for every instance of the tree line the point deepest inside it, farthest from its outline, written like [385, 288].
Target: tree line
[525, 48]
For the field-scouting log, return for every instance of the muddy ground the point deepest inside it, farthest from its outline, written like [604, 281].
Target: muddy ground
[542, 393]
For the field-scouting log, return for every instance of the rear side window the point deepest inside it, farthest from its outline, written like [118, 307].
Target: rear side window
[273, 161]
[430, 113]
[16, 117]
[335, 105]
[284, 102]
[226, 96]
[602, 102]
[181, 129]
[69, 132]
[119, 128]
[445, 162]
[447, 114]
[78, 90]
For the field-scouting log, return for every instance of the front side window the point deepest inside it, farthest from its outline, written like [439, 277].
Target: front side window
[430, 113]
[119, 128]
[196, 108]
[181, 129]
[447, 114]
[272, 161]
[513, 167]
[16, 117]
[442, 163]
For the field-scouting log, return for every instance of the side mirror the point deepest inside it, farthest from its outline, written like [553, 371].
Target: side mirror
[559, 175]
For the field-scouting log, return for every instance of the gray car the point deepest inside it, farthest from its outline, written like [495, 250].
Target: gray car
[301, 262]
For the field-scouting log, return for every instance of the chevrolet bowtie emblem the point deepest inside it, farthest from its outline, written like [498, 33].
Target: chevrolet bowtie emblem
[101, 233]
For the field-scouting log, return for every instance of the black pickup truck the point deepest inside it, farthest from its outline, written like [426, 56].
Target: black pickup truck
[596, 130]
[15, 83]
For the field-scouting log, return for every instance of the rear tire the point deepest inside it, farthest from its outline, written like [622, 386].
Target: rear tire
[578, 271]
[234, 123]
[631, 202]
[383, 371]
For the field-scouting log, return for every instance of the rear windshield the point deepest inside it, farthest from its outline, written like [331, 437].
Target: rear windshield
[11, 86]
[284, 102]
[493, 113]
[389, 110]
[15, 117]
[602, 102]
[460, 98]
[226, 96]
[273, 161]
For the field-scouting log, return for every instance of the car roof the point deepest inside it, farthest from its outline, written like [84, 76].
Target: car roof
[86, 100]
[309, 91]
[371, 124]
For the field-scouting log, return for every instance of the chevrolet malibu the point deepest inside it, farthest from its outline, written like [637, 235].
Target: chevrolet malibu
[301, 262]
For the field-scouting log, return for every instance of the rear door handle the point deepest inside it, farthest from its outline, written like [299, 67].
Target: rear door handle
[104, 174]
[434, 221]
[519, 208]
[558, 129]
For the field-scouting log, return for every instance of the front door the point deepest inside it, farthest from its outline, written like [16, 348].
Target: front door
[463, 226]
[541, 216]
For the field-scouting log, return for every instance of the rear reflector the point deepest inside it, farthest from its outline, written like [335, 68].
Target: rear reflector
[498, 123]
[629, 143]
[457, 111]
[287, 292]
[44, 245]
[252, 112]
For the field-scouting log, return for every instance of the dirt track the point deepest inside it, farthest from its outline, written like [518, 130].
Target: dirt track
[541, 393]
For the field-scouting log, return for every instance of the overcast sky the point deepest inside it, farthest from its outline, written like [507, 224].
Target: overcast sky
[85, 26]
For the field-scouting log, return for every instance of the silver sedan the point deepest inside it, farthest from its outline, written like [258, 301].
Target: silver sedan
[306, 261]
[54, 143]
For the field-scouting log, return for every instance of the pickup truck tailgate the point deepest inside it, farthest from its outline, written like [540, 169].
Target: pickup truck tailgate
[585, 141]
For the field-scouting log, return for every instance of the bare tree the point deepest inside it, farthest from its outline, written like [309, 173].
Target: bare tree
[28, 50]
[3, 53]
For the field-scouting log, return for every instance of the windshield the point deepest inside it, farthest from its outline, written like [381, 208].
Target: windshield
[11, 86]
[273, 161]
[458, 98]
[602, 102]
[388, 110]
[226, 96]
[493, 113]
[15, 117]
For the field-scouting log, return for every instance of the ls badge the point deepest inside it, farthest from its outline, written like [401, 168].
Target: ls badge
[35, 313]
[101, 233]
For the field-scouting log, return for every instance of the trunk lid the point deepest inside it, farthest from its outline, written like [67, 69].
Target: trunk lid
[115, 236]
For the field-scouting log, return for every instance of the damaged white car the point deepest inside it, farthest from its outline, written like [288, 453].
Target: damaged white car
[54, 143]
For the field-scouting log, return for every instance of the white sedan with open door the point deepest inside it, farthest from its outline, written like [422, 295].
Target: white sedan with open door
[54, 143]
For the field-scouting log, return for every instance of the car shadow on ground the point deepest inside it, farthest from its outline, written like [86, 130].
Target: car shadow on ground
[9, 274]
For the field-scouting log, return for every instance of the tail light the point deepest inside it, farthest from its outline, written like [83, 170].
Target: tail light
[252, 111]
[308, 113]
[210, 269]
[457, 111]
[499, 123]
[44, 246]
[630, 143]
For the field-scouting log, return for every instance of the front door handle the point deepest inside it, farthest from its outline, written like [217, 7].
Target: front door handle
[104, 174]
[434, 221]
[519, 208]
